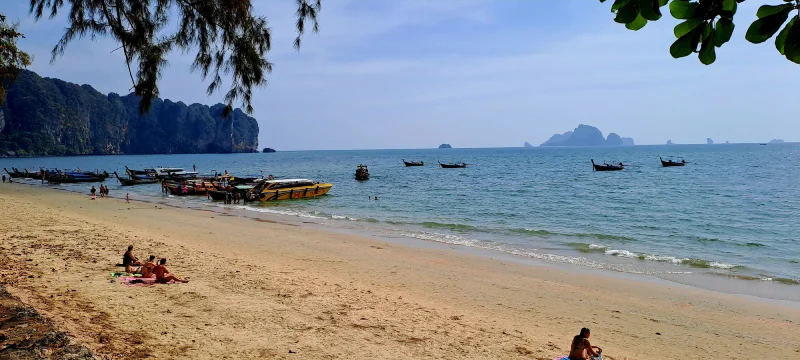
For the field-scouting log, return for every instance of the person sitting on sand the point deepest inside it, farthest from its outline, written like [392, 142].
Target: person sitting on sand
[581, 348]
[149, 266]
[130, 261]
[163, 275]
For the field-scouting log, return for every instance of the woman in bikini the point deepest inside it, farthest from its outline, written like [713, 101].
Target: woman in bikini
[581, 348]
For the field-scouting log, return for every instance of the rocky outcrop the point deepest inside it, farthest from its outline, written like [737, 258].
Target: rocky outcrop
[445, 146]
[628, 141]
[709, 141]
[268, 150]
[527, 145]
[613, 140]
[669, 142]
[45, 116]
[585, 135]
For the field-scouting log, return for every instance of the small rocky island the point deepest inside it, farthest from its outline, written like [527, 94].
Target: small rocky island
[776, 141]
[445, 146]
[585, 135]
[527, 145]
[669, 142]
[709, 141]
[268, 150]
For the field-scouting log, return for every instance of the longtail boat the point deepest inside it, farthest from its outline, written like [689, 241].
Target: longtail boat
[131, 181]
[453, 166]
[74, 177]
[670, 163]
[413, 163]
[14, 173]
[607, 167]
[272, 190]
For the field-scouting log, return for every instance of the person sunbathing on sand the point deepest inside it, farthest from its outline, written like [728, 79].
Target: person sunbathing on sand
[149, 266]
[130, 261]
[581, 348]
[163, 275]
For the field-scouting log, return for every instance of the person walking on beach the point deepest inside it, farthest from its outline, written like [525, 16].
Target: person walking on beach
[163, 275]
[581, 348]
[93, 190]
[4, 179]
[127, 197]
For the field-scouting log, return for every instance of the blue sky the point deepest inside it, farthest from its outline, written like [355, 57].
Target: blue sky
[472, 73]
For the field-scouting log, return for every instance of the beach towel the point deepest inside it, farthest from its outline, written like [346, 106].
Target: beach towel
[598, 357]
[138, 281]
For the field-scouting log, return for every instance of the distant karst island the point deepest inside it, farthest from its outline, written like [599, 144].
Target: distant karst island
[585, 135]
[51, 117]
[709, 141]
[669, 142]
[527, 145]
[268, 150]
[776, 141]
[445, 146]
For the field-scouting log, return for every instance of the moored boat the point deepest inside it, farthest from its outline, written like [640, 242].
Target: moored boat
[131, 181]
[413, 163]
[453, 165]
[174, 173]
[670, 163]
[141, 174]
[191, 187]
[362, 173]
[272, 190]
[607, 167]
[74, 177]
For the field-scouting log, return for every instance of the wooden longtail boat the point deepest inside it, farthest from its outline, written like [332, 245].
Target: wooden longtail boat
[272, 190]
[131, 181]
[413, 163]
[670, 163]
[453, 166]
[607, 167]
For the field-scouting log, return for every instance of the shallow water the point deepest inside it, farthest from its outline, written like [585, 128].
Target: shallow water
[730, 212]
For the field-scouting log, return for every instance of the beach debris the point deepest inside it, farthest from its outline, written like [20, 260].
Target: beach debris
[658, 333]
[292, 351]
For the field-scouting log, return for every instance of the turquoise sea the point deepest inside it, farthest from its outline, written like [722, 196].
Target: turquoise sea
[727, 220]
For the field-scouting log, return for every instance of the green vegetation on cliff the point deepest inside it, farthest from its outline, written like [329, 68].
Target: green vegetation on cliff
[44, 116]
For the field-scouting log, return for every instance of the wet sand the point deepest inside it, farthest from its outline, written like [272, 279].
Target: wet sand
[264, 289]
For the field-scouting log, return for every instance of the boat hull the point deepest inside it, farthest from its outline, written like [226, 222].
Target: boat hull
[300, 192]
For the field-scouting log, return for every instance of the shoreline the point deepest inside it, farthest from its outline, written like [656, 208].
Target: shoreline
[262, 288]
[720, 280]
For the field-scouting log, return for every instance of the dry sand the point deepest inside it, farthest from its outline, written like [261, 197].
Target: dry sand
[262, 289]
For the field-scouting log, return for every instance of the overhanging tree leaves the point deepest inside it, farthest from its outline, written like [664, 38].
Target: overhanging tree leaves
[12, 60]
[708, 24]
[229, 40]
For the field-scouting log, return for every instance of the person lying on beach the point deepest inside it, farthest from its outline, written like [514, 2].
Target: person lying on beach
[581, 348]
[163, 275]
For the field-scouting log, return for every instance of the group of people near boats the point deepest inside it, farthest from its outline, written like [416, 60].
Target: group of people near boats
[103, 191]
[149, 268]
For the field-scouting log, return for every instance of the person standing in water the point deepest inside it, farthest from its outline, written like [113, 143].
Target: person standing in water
[581, 349]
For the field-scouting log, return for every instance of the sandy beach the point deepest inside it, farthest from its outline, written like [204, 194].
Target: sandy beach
[266, 289]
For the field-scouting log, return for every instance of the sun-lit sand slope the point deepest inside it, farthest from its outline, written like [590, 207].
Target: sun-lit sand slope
[261, 289]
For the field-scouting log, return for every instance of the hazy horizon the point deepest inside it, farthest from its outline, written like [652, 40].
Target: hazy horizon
[473, 73]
